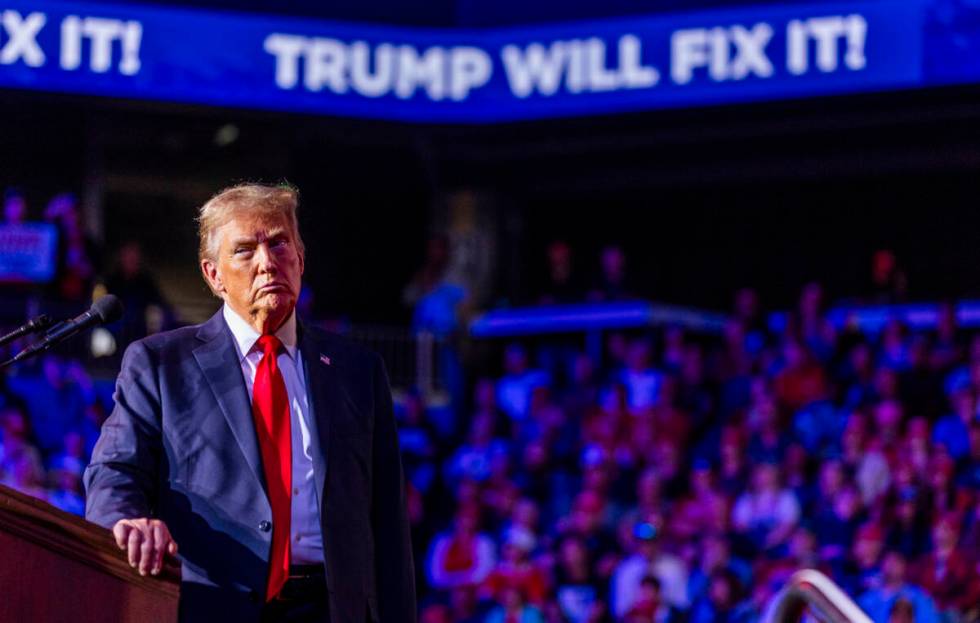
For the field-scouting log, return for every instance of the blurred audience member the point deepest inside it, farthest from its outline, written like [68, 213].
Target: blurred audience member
[721, 601]
[767, 512]
[439, 303]
[948, 573]
[515, 387]
[462, 557]
[878, 603]
[648, 559]
[431, 274]
[888, 282]
[561, 285]
[14, 206]
[513, 608]
[21, 465]
[612, 283]
[515, 571]
[56, 397]
[147, 311]
[77, 253]
[650, 605]
[642, 382]
[577, 589]
[953, 429]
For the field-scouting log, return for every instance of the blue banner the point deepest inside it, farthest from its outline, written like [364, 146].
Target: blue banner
[28, 252]
[488, 75]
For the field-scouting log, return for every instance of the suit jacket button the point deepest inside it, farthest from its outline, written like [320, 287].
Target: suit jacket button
[265, 525]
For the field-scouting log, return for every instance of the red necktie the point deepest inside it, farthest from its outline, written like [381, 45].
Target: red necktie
[270, 407]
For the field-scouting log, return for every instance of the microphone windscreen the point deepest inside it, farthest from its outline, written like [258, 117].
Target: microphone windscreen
[108, 308]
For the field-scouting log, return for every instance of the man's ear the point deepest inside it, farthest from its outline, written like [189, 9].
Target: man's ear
[209, 269]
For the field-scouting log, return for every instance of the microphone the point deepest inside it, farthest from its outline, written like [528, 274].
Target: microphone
[34, 325]
[107, 309]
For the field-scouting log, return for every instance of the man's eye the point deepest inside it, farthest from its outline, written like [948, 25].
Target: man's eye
[241, 250]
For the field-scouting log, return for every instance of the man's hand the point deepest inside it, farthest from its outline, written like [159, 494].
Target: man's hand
[145, 541]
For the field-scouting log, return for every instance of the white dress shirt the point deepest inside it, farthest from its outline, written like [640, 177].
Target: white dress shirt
[306, 540]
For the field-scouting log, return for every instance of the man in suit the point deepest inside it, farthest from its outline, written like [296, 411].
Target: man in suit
[265, 449]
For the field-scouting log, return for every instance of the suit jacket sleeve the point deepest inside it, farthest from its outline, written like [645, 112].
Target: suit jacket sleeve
[121, 479]
[389, 517]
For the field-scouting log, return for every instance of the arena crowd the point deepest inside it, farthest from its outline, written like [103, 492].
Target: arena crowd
[679, 477]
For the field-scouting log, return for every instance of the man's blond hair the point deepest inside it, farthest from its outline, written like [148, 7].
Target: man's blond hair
[262, 200]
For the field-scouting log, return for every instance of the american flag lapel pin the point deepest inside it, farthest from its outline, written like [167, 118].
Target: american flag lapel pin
[325, 360]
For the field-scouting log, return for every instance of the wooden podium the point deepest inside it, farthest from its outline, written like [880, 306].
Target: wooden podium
[55, 566]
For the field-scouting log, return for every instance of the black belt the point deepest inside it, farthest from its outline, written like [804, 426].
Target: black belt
[305, 583]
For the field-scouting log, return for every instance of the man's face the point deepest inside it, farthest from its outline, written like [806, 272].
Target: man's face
[257, 270]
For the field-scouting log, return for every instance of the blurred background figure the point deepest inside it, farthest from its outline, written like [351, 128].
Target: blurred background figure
[561, 284]
[77, 252]
[147, 311]
[612, 283]
[439, 302]
[888, 282]
[14, 206]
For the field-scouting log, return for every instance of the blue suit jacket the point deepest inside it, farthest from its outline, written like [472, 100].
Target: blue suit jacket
[180, 446]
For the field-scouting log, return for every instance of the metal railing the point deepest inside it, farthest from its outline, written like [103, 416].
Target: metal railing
[811, 592]
[412, 359]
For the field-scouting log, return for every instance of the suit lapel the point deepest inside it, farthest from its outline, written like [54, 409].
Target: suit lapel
[325, 394]
[218, 359]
